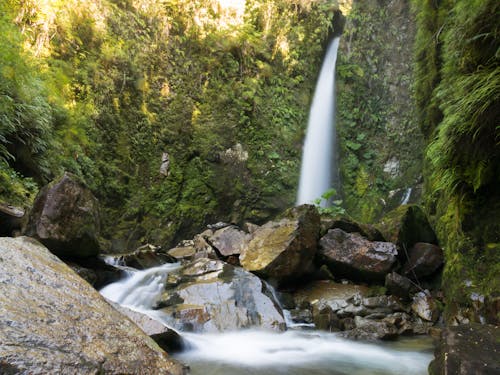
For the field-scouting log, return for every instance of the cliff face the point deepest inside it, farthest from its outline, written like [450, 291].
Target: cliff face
[380, 141]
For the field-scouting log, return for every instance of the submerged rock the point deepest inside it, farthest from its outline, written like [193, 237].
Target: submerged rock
[53, 322]
[65, 218]
[468, 350]
[284, 250]
[210, 296]
[352, 256]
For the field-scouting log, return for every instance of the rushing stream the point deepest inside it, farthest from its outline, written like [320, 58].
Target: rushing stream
[295, 352]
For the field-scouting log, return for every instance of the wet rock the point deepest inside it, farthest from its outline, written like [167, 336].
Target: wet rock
[423, 260]
[11, 218]
[53, 322]
[367, 329]
[168, 339]
[146, 256]
[65, 218]
[399, 285]
[229, 240]
[284, 250]
[425, 307]
[468, 350]
[352, 256]
[405, 226]
[215, 296]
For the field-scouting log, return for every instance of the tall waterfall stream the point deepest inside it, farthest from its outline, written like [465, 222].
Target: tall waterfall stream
[319, 171]
[257, 352]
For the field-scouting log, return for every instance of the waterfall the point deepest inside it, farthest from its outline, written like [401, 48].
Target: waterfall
[319, 170]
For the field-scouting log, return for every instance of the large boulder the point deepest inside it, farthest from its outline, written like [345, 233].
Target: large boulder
[53, 322]
[423, 260]
[351, 255]
[65, 218]
[468, 350]
[284, 250]
[212, 296]
[405, 226]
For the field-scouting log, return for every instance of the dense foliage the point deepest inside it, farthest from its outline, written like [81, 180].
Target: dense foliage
[104, 88]
[458, 94]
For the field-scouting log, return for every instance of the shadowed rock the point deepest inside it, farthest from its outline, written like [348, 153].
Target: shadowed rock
[65, 218]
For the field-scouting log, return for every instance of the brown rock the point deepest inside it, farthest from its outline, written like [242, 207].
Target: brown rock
[423, 260]
[352, 256]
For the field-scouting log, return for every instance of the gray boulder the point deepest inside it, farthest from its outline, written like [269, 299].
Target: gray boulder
[53, 322]
[211, 296]
[65, 218]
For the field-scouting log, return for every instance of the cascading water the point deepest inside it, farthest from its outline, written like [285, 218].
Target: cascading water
[259, 352]
[319, 171]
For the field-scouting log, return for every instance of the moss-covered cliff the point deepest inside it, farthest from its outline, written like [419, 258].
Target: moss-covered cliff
[380, 141]
[458, 98]
[105, 89]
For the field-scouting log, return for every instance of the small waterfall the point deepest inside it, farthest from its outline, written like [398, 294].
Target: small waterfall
[406, 197]
[319, 170]
[141, 289]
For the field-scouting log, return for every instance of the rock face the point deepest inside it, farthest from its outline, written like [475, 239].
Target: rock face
[468, 350]
[210, 296]
[350, 255]
[425, 306]
[53, 322]
[65, 218]
[424, 260]
[284, 250]
[405, 226]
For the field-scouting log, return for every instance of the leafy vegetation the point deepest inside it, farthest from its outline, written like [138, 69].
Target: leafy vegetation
[108, 86]
[458, 82]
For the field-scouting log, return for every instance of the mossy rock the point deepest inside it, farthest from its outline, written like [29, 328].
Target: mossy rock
[405, 226]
